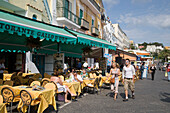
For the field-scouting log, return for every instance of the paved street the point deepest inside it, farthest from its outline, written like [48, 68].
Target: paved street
[151, 97]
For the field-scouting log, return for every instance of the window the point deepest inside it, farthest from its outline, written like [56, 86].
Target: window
[34, 17]
[92, 23]
[81, 13]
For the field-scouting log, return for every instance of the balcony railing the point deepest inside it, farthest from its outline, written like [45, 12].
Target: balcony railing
[95, 31]
[64, 12]
[84, 24]
[95, 4]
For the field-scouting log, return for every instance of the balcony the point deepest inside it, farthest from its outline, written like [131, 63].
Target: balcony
[95, 31]
[84, 24]
[66, 17]
[92, 5]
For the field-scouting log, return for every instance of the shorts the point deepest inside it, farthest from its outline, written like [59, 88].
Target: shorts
[129, 83]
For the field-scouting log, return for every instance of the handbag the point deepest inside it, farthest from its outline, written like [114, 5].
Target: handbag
[166, 74]
[112, 80]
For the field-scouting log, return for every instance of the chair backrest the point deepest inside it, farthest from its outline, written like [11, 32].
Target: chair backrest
[47, 75]
[95, 82]
[62, 77]
[7, 94]
[19, 74]
[13, 75]
[1, 81]
[1, 99]
[99, 79]
[38, 75]
[50, 86]
[55, 85]
[45, 81]
[5, 72]
[26, 97]
[10, 83]
[35, 83]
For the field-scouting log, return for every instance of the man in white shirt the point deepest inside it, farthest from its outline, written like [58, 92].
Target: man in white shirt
[128, 75]
[77, 77]
[85, 65]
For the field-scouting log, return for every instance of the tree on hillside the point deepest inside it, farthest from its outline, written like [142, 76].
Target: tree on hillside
[164, 55]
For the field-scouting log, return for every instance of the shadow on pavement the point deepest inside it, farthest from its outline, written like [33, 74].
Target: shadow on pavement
[123, 95]
[165, 79]
[165, 97]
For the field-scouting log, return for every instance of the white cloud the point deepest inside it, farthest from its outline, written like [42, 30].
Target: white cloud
[161, 20]
[140, 1]
[140, 36]
[110, 3]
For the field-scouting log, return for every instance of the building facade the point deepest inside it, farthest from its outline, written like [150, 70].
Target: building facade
[108, 32]
[80, 15]
[154, 48]
[33, 9]
[122, 41]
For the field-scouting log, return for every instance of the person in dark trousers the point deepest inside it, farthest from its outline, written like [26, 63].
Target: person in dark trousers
[142, 69]
[153, 69]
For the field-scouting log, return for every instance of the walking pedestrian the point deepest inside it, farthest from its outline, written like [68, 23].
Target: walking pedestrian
[153, 69]
[115, 72]
[128, 75]
[168, 71]
[142, 69]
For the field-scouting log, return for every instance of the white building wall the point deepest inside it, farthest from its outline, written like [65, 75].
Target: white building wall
[122, 39]
[49, 64]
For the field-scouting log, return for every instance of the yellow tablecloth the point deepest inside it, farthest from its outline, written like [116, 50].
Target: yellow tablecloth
[7, 77]
[3, 108]
[73, 86]
[46, 97]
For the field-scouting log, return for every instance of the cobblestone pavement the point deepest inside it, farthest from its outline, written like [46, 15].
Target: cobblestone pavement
[151, 97]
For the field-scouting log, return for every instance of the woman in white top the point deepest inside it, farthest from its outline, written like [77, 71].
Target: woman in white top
[58, 81]
[115, 72]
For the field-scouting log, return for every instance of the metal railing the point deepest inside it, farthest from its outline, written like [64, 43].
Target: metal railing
[95, 4]
[64, 12]
[94, 31]
[84, 23]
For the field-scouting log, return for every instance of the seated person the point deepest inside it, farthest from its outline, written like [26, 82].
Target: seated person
[84, 74]
[61, 87]
[71, 76]
[77, 78]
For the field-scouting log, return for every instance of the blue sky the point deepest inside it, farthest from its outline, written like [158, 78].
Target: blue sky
[141, 20]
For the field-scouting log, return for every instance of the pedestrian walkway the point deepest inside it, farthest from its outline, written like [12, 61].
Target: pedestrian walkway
[151, 97]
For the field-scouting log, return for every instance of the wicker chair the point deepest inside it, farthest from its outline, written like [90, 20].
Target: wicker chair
[35, 83]
[47, 75]
[8, 96]
[45, 81]
[1, 81]
[20, 74]
[60, 95]
[1, 99]
[10, 83]
[26, 99]
[93, 86]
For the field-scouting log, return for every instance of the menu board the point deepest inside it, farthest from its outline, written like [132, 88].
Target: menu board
[102, 63]
[58, 61]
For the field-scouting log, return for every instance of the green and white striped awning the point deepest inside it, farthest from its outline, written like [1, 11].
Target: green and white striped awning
[92, 41]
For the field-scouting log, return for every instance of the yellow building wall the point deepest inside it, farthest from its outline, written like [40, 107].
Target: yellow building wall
[88, 15]
[36, 7]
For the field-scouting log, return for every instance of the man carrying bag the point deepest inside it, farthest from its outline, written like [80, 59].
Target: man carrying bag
[128, 75]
